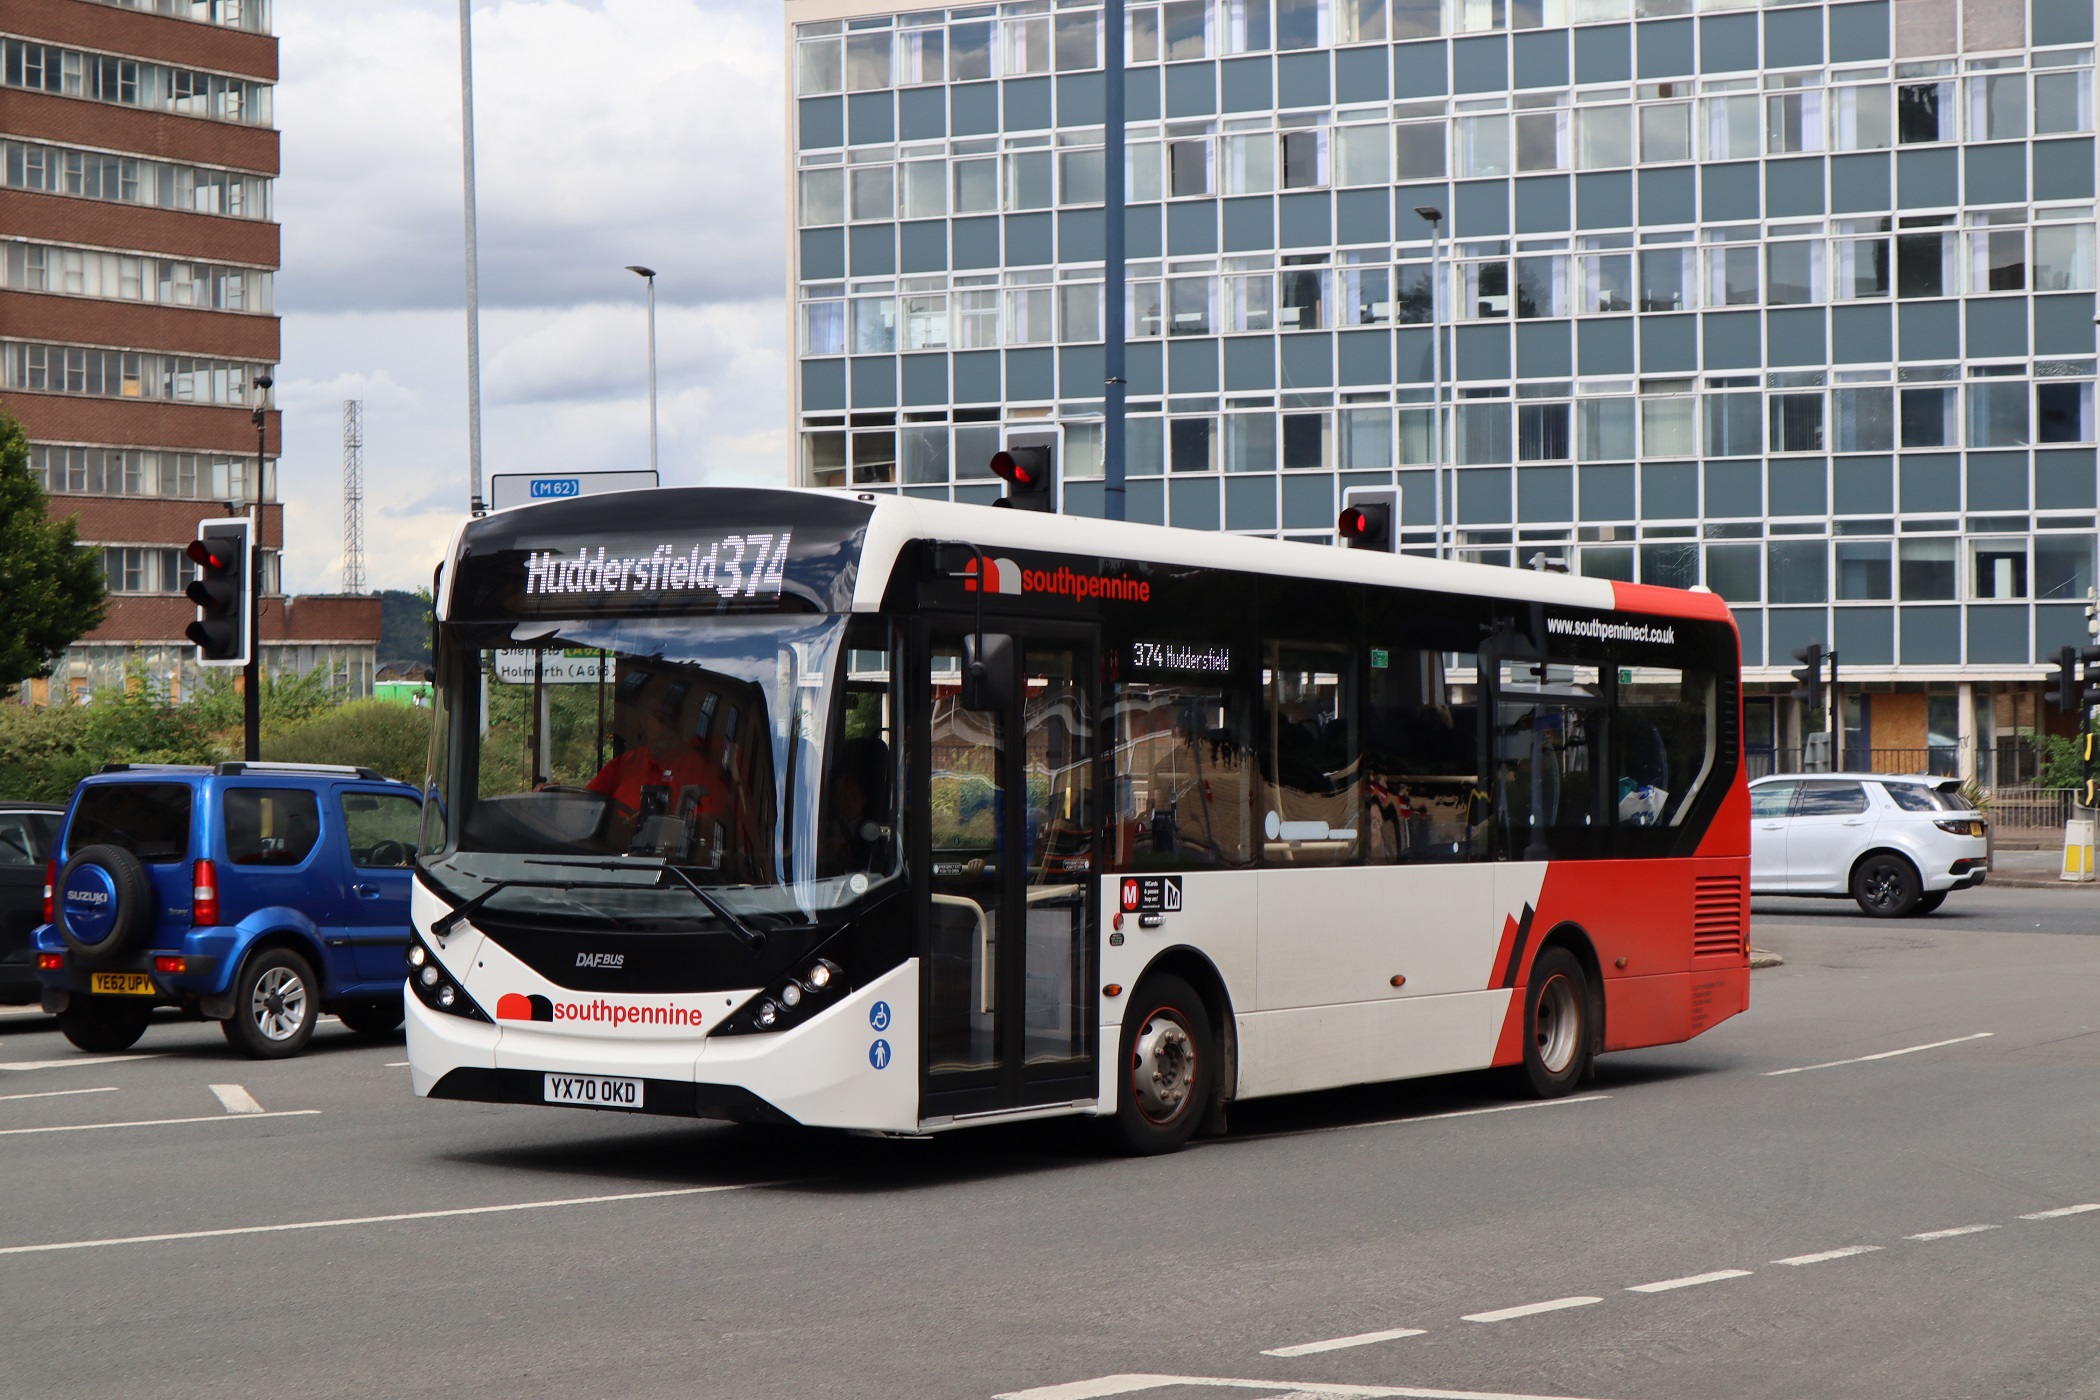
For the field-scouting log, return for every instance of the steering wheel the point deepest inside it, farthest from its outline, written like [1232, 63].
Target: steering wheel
[390, 853]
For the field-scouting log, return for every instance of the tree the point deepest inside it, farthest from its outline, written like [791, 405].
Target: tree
[55, 590]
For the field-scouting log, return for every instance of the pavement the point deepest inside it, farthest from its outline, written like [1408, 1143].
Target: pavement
[1880, 1182]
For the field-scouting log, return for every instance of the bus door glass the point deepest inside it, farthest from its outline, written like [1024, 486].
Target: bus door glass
[1011, 829]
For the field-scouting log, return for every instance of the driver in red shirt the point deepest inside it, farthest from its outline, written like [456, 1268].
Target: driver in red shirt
[662, 760]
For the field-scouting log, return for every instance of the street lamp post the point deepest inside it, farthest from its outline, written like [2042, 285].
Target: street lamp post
[648, 274]
[473, 238]
[251, 675]
[1435, 217]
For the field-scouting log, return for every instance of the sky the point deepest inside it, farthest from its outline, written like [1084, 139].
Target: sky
[608, 132]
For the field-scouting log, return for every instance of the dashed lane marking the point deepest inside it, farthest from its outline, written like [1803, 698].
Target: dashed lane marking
[1133, 1383]
[163, 1122]
[58, 1093]
[1846, 1253]
[396, 1064]
[1361, 1339]
[385, 1219]
[1531, 1309]
[235, 1098]
[1689, 1281]
[75, 1060]
[2061, 1211]
[1950, 1234]
[1884, 1055]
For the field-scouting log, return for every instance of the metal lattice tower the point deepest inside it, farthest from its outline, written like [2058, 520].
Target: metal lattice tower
[353, 496]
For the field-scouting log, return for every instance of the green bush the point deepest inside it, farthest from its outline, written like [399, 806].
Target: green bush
[377, 734]
[44, 752]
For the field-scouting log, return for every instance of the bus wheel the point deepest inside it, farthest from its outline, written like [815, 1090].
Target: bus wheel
[1556, 1024]
[1166, 1081]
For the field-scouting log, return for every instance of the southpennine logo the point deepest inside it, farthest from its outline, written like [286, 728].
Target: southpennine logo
[1005, 576]
[515, 1006]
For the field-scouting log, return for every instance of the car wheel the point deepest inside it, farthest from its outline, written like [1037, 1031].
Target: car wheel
[1930, 901]
[1166, 1081]
[276, 1001]
[373, 1020]
[1557, 1036]
[1886, 886]
[104, 1025]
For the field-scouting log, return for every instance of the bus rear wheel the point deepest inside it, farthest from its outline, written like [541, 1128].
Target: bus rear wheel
[1168, 1051]
[1558, 1038]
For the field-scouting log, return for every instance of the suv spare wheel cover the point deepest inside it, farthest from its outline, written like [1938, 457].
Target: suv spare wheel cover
[106, 903]
[89, 904]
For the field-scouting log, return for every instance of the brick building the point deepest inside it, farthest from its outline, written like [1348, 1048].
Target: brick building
[137, 312]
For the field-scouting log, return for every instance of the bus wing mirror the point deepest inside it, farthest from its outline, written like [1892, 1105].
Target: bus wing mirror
[988, 671]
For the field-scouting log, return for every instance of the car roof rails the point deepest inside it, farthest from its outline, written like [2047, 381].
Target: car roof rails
[234, 768]
[151, 768]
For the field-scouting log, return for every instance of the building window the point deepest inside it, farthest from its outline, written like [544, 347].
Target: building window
[104, 78]
[124, 180]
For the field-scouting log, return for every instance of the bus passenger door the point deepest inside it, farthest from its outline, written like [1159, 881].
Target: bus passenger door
[1008, 813]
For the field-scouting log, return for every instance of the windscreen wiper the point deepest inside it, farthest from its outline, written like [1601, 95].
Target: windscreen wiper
[444, 923]
[750, 937]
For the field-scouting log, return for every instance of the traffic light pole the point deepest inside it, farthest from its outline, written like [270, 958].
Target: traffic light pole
[251, 675]
[1837, 717]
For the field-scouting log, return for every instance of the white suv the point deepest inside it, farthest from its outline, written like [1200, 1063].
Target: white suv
[1898, 845]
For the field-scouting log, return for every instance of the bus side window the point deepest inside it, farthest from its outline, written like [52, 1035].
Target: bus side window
[1547, 757]
[1664, 743]
[1420, 759]
[1312, 765]
[1183, 777]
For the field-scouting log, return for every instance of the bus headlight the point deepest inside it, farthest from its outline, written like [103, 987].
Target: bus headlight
[791, 1000]
[432, 983]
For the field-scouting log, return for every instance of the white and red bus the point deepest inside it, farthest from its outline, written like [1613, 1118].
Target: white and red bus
[752, 804]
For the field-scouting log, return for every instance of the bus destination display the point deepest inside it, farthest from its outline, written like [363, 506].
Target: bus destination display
[746, 566]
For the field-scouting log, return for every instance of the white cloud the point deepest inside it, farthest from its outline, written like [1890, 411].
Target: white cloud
[608, 133]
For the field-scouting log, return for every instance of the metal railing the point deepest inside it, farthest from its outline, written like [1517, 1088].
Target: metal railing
[2031, 808]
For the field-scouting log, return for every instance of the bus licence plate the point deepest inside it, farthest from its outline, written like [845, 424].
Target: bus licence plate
[593, 1091]
[121, 984]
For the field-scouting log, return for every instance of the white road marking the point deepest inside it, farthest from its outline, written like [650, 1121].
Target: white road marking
[1689, 1281]
[1396, 1122]
[235, 1098]
[397, 1064]
[1950, 1234]
[23, 1011]
[2060, 1212]
[1530, 1309]
[71, 1061]
[1884, 1055]
[376, 1219]
[1131, 1384]
[1846, 1253]
[1361, 1339]
[162, 1122]
[58, 1093]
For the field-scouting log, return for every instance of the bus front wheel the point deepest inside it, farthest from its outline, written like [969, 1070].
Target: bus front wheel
[1167, 1073]
[1557, 1033]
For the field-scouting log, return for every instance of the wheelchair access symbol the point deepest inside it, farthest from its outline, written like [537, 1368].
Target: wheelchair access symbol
[879, 1054]
[879, 1015]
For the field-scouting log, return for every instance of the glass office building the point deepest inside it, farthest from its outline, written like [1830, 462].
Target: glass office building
[1794, 302]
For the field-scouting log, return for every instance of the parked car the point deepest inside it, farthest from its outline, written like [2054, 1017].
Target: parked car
[258, 895]
[1897, 844]
[28, 836]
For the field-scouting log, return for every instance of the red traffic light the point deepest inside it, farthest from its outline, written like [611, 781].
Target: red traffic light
[205, 556]
[1354, 524]
[1007, 467]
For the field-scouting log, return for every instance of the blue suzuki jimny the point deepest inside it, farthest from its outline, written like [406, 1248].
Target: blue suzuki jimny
[258, 895]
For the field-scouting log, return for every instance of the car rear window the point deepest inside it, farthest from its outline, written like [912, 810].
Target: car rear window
[18, 844]
[150, 820]
[1913, 798]
[271, 826]
[1831, 799]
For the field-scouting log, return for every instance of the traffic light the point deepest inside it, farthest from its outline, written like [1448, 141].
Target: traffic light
[1028, 466]
[2089, 691]
[1808, 676]
[1370, 518]
[220, 592]
[2063, 685]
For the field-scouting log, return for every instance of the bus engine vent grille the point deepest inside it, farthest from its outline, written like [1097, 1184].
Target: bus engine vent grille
[1717, 916]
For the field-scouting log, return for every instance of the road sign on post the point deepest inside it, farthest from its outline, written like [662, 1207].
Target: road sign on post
[507, 489]
[222, 630]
